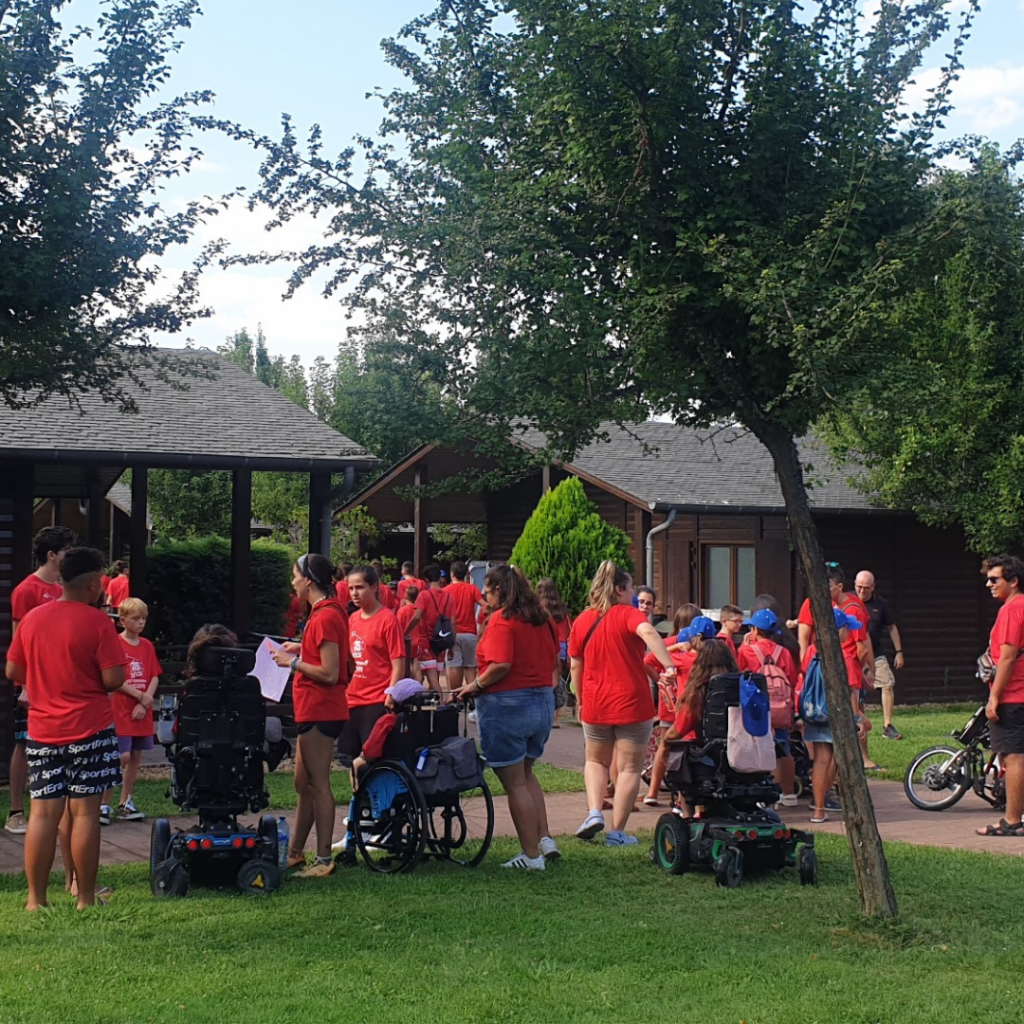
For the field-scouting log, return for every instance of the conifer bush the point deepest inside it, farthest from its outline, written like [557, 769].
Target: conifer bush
[566, 538]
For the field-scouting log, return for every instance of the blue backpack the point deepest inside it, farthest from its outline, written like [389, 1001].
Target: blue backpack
[813, 704]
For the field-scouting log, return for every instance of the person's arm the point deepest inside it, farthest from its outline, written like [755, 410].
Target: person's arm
[15, 672]
[576, 677]
[866, 654]
[113, 678]
[415, 620]
[897, 644]
[495, 672]
[328, 671]
[656, 646]
[1007, 659]
[859, 720]
[803, 635]
[397, 669]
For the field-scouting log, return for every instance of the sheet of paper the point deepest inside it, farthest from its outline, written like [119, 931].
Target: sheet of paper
[273, 677]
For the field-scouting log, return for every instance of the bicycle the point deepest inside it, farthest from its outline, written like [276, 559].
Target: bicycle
[939, 777]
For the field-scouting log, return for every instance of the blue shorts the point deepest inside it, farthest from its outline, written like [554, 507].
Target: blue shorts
[126, 744]
[782, 742]
[514, 724]
[817, 733]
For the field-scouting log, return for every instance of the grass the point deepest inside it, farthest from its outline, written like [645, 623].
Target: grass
[602, 936]
[922, 727]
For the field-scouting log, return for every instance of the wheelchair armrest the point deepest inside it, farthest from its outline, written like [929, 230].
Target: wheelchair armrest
[698, 752]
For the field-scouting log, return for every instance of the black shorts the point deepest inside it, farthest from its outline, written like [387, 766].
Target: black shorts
[331, 729]
[1006, 734]
[20, 715]
[358, 728]
[80, 769]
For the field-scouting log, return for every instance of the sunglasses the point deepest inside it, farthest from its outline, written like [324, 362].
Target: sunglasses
[992, 580]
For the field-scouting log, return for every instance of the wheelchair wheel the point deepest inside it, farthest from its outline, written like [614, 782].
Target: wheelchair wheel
[171, 878]
[390, 819]
[159, 845]
[808, 866]
[461, 831]
[937, 778]
[671, 851]
[259, 877]
[729, 868]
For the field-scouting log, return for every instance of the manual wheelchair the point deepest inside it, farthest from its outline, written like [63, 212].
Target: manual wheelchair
[426, 797]
[217, 738]
[737, 832]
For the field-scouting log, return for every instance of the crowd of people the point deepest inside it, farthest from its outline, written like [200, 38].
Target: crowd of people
[86, 691]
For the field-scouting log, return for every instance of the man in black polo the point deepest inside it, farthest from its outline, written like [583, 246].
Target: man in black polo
[880, 623]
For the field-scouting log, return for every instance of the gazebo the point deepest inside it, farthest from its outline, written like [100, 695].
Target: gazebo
[222, 419]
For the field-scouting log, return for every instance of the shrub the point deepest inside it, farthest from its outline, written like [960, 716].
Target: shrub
[567, 539]
[189, 583]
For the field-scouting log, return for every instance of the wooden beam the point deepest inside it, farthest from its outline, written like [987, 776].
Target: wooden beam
[320, 513]
[420, 537]
[545, 478]
[241, 552]
[138, 536]
[94, 519]
[23, 492]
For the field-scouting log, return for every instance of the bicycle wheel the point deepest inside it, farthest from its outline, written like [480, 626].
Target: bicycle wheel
[462, 830]
[937, 778]
[390, 819]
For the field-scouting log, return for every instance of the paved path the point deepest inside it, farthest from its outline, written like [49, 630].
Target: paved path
[898, 819]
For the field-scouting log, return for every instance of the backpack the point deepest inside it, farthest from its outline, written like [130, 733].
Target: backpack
[780, 693]
[813, 704]
[442, 639]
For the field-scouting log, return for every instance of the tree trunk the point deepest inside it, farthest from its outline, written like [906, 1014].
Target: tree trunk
[877, 898]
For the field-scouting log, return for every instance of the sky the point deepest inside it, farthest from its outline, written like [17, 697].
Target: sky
[317, 60]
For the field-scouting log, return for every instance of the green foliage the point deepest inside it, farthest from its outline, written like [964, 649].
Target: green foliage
[287, 376]
[84, 157]
[566, 538]
[354, 530]
[190, 503]
[190, 583]
[455, 541]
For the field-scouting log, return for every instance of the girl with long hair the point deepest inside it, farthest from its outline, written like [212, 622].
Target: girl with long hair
[516, 656]
[320, 673]
[606, 651]
[558, 610]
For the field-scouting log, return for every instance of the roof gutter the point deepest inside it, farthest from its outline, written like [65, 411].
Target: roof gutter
[651, 534]
[170, 460]
[770, 510]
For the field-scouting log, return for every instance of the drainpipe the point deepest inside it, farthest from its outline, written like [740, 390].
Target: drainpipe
[661, 528]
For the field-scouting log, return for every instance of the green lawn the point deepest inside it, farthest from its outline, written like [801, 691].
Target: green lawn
[602, 936]
[922, 727]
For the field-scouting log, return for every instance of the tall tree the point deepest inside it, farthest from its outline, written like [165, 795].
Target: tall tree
[83, 160]
[591, 206]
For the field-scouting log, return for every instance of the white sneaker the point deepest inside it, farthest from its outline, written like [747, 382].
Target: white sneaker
[787, 800]
[529, 863]
[16, 824]
[592, 824]
[106, 814]
[549, 849]
[472, 717]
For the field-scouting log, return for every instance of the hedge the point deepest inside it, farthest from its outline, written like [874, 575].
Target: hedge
[189, 583]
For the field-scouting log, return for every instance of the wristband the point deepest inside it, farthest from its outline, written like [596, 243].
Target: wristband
[899, 652]
[294, 663]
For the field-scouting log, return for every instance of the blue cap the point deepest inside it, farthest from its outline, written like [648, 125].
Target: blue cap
[755, 707]
[701, 626]
[765, 620]
[844, 621]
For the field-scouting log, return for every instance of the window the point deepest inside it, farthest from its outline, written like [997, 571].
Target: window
[728, 576]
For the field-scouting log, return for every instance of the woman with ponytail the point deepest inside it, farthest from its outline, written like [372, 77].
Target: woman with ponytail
[516, 657]
[606, 650]
[320, 673]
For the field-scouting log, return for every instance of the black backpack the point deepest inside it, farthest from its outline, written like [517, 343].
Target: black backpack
[442, 639]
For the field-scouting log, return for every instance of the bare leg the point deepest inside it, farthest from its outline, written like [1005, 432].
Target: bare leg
[469, 674]
[130, 765]
[316, 800]
[85, 845]
[1014, 764]
[433, 682]
[595, 771]
[658, 769]
[630, 759]
[785, 774]
[539, 806]
[455, 674]
[66, 851]
[888, 702]
[821, 776]
[19, 777]
[522, 807]
[40, 848]
[304, 807]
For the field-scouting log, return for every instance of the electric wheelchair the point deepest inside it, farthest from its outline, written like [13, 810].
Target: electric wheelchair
[736, 832]
[426, 797]
[217, 737]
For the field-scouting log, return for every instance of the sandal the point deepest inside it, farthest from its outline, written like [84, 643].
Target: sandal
[1004, 828]
[651, 801]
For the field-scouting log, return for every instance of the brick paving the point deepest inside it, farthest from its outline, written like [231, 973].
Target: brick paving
[898, 819]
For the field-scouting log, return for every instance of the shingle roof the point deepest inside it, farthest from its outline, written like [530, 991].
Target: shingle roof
[728, 469]
[232, 419]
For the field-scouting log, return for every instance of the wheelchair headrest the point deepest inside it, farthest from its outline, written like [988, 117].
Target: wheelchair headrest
[225, 661]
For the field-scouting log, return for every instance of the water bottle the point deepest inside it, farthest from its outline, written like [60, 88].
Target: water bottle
[282, 843]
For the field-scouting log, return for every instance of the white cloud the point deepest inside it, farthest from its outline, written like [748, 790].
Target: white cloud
[986, 99]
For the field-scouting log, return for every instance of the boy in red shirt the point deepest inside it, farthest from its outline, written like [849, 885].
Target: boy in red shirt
[466, 602]
[414, 637]
[133, 707]
[432, 603]
[42, 586]
[118, 587]
[407, 579]
[69, 659]
[731, 618]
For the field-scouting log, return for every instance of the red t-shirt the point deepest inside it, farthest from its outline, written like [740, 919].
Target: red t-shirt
[343, 595]
[747, 660]
[726, 638]
[292, 616]
[686, 725]
[1009, 629]
[562, 629]
[386, 596]
[614, 686]
[30, 593]
[141, 667]
[313, 701]
[417, 638]
[413, 581]
[374, 643]
[530, 650]
[853, 606]
[434, 604]
[117, 591]
[465, 599]
[64, 647]
[668, 694]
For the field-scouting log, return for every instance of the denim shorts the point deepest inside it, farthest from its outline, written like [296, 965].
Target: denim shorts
[514, 724]
[782, 742]
[817, 732]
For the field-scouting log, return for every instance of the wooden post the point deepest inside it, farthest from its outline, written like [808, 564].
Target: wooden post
[420, 537]
[320, 513]
[137, 533]
[545, 478]
[241, 552]
[94, 520]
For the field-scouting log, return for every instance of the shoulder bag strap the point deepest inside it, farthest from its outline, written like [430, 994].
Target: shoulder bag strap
[590, 632]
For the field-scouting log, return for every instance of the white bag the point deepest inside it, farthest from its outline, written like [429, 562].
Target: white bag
[748, 753]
